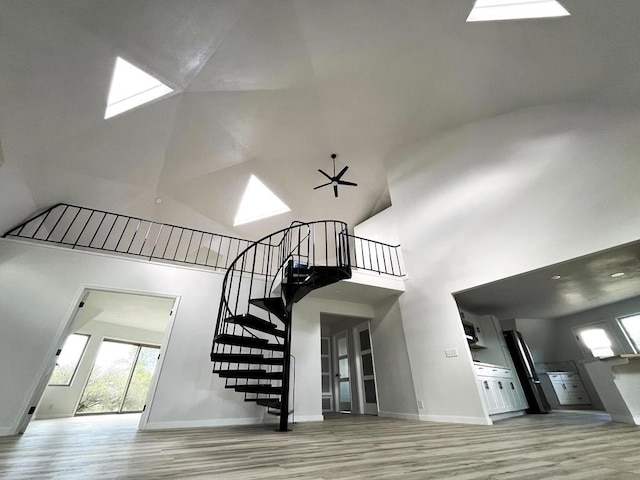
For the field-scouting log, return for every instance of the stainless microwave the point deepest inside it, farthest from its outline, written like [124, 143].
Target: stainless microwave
[470, 332]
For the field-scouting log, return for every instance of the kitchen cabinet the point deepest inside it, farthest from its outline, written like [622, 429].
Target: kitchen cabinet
[500, 389]
[569, 388]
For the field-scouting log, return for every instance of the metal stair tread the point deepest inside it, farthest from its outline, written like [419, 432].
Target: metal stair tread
[246, 358]
[274, 305]
[252, 321]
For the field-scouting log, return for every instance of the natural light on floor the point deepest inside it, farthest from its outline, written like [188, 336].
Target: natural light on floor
[258, 202]
[131, 87]
[491, 10]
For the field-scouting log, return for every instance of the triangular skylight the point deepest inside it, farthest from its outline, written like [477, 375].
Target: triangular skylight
[131, 87]
[258, 202]
[490, 10]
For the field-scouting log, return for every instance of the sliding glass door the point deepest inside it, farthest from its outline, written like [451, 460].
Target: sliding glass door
[120, 378]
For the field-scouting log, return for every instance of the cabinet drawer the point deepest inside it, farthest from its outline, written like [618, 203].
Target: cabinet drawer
[569, 377]
[555, 377]
[574, 387]
[579, 398]
[487, 371]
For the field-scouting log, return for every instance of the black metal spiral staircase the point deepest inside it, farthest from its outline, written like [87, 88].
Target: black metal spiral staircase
[252, 342]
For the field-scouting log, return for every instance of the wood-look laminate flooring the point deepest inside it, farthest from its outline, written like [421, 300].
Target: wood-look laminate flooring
[562, 445]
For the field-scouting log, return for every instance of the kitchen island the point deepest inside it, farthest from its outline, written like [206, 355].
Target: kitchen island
[617, 381]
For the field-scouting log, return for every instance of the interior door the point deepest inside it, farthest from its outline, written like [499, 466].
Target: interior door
[343, 376]
[364, 352]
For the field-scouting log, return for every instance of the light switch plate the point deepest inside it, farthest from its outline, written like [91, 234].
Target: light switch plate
[451, 352]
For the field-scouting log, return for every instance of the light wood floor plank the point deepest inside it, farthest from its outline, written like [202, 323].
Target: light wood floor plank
[562, 445]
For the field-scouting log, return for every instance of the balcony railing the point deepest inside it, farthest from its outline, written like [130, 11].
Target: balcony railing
[86, 228]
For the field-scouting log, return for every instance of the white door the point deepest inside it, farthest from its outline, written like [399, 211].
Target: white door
[367, 378]
[343, 377]
[325, 360]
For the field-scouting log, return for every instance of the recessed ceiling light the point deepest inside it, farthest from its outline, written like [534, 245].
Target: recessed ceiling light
[616, 275]
[131, 87]
[159, 200]
[555, 277]
[491, 10]
[258, 202]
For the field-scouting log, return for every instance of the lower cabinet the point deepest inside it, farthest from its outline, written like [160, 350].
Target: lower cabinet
[569, 388]
[500, 390]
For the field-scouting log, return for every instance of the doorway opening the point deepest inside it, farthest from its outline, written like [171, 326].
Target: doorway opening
[348, 367]
[111, 358]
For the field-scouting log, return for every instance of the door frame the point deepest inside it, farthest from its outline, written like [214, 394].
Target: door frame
[57, 343]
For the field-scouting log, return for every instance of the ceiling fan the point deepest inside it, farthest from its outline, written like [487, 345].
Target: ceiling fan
[336, 179]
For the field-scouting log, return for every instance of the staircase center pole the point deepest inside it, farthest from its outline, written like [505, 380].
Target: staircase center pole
[286, 369]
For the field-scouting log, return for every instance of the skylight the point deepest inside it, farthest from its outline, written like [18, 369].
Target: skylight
[131, 87]
[258, 202]
[490, 10]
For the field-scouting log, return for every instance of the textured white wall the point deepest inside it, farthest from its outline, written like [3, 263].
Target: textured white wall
[494, 199]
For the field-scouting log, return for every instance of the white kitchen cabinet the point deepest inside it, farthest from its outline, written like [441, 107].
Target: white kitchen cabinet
[500, 389]
[569, 388]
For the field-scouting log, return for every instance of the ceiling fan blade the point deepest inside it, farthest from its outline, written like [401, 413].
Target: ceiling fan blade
[323, 185]
[339, 176]
[325, 174]
[335, 190]
[344, 182]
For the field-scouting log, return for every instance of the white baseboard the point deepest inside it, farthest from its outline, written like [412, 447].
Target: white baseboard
[633, 420]
[308, 418]
[7, 432]
[504, 416]
[401, 416]
[455, 419]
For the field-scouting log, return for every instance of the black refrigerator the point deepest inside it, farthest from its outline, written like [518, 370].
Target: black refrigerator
[525, 368]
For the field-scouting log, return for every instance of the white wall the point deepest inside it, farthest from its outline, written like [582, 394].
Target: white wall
[494, 199]
[61, 400]
[41, 285]
[16, 201]
[306, 328]
[394, 379]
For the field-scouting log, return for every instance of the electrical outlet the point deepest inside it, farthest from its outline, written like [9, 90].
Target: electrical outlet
[451, 352]
[420, 404]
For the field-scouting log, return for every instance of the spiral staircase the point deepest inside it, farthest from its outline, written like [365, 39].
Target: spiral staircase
[252, 343]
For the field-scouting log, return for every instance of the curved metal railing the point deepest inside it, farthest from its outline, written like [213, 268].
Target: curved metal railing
[264, 270]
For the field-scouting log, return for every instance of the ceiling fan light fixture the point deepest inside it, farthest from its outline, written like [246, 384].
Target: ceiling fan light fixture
[336, 179]
[495, 10]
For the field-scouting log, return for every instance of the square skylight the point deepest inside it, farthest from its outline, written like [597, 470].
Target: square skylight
[131, 87]
[491, 10]
[258, 202]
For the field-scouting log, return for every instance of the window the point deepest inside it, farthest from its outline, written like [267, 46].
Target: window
[69, 359]
[120, 379]
[631, 327]
[258, 202]
[131, 87]
[597, 340]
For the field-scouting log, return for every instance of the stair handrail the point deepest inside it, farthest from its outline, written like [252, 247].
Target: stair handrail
[269, 244]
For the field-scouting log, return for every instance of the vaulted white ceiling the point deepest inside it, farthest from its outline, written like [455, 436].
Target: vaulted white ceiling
[272, 88]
